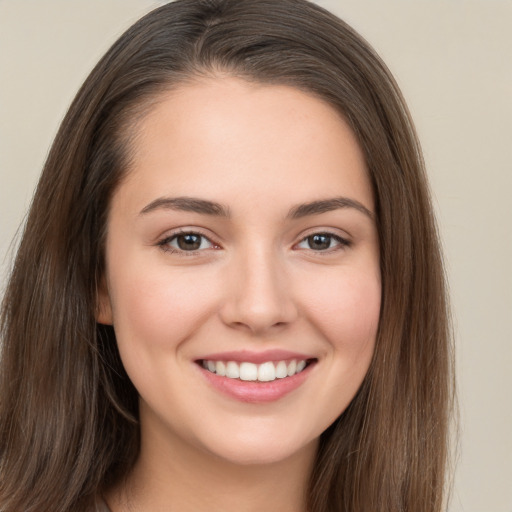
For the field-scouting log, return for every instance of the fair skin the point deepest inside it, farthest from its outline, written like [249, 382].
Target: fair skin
[274, 262]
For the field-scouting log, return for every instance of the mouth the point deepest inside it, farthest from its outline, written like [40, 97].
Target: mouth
[259, 380]
[246, 371]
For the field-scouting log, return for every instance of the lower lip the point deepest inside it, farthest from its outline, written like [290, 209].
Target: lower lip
[254, 391]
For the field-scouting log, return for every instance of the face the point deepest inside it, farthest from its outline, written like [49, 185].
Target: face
[243, 275]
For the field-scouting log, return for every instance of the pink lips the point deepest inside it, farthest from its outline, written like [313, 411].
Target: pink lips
[252, 391]
[240, 356]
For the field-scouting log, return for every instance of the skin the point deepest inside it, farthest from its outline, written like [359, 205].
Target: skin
[255, 283]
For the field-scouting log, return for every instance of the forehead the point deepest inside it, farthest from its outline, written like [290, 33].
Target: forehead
[220, 135]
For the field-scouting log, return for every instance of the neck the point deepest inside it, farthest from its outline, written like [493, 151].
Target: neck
[172, 475]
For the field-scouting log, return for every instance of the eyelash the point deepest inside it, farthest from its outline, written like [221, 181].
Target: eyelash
[342, 243]
[164, 244]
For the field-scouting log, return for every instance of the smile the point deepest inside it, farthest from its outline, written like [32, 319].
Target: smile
[247, 371]
[256, 377]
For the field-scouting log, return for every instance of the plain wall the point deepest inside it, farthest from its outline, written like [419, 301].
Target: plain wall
[452, 59]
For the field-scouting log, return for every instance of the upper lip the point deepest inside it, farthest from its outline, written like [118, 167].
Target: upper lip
[249, 356]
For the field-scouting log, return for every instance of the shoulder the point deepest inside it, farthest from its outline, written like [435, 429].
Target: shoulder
[100, 506]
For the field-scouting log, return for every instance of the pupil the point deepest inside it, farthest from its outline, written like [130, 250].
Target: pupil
[189, 242]
[319, 241]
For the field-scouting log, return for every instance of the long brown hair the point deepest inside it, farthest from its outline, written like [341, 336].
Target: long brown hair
[68, 412]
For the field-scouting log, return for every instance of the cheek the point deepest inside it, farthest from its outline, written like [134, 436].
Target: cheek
[345, 309]
[358, 310]
[155, 309]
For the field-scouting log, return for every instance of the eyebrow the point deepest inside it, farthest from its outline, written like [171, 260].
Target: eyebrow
[205, 207]
[187, 204]
[328, 205]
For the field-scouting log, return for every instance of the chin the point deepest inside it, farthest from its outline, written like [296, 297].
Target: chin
[251, 449]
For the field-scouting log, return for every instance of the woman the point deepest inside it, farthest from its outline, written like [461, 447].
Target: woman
[229, 292]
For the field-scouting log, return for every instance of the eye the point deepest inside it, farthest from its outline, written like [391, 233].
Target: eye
[186, 242]
[322, 242]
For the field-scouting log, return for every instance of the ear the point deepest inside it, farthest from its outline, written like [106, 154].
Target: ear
[103, 304]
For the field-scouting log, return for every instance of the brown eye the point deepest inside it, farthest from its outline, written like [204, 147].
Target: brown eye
[323, 242]
[189, 242]
[186, 242]
[319, 242]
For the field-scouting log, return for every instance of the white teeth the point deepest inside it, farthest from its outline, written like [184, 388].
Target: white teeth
[281, 370]
[292, 367]
[265, 372]
[232, 370]
[220, 368]
[248, 371]
[300, 366]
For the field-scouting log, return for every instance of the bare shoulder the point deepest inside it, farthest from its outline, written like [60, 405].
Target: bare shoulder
[100, 506]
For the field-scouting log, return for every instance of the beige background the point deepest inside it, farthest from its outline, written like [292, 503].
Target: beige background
[453, 60]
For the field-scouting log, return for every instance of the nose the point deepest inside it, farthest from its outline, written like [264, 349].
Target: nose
[258, 298]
